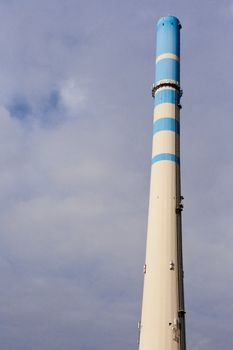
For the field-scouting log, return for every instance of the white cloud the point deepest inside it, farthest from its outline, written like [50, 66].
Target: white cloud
[73, 96]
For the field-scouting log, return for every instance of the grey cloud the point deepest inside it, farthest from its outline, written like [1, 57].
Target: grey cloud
[75, 172]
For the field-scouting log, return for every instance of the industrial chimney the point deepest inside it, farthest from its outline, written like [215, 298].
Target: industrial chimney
[162, 325]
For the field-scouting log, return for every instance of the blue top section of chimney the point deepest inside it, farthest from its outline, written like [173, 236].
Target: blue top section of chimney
[168, 49]
[168, 36]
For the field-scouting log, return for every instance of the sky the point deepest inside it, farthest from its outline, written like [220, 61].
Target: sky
[76, 135]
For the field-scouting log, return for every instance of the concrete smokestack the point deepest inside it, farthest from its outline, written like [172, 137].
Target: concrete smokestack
[162, 325]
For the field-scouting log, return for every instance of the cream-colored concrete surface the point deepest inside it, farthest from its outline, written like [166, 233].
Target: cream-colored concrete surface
[160, 299]
[165, 142]
[166, 110]
[159, 330]
[167, 55]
